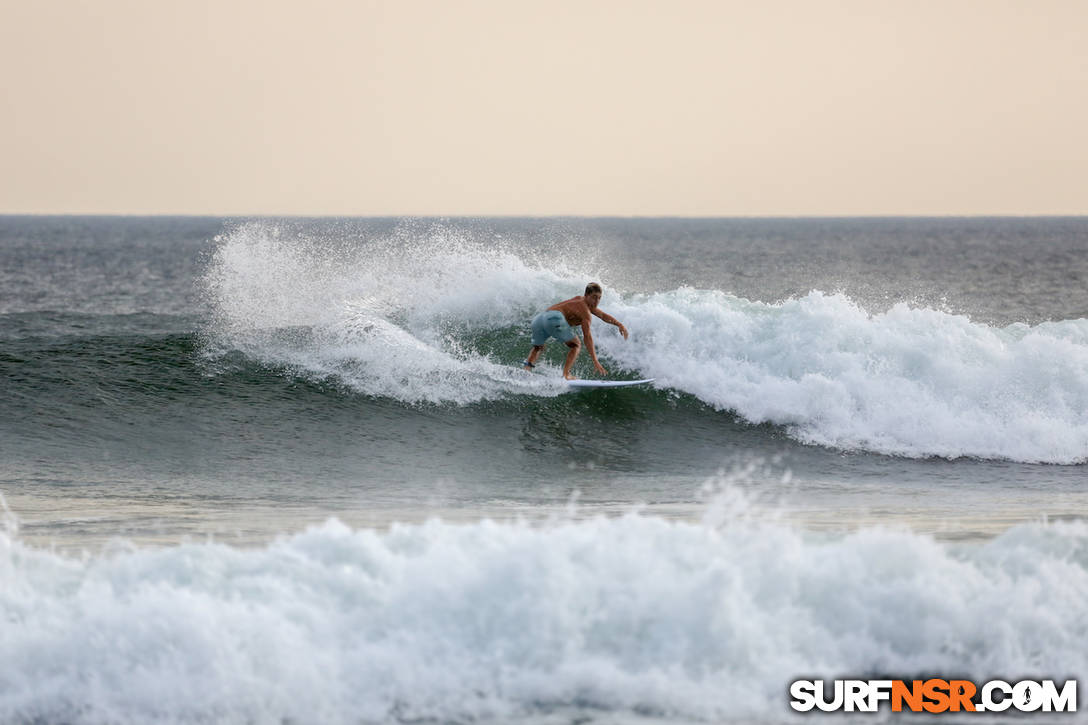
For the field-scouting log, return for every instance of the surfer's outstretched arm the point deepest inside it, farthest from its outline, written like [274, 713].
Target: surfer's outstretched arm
[611, 320]
[588, 337]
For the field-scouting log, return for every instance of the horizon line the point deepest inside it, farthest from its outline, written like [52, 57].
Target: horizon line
[190, 215]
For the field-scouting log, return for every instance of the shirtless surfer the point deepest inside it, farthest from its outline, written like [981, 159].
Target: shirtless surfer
[559, 321]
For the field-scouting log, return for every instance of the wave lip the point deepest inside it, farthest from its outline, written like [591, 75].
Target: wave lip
[911, 382]
[499, 620]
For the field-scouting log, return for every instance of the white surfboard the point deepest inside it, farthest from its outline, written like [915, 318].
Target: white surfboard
[607, 383]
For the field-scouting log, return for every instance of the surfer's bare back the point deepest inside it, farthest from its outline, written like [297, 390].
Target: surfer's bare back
[559, 321]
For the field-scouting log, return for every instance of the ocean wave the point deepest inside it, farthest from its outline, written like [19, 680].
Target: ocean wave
[495, 620]
[391, 317]
[440, 316]
[908, 381]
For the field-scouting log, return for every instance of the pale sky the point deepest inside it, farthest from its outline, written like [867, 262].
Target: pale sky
[508, 107]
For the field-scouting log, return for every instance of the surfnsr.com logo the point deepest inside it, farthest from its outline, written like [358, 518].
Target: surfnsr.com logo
[933, 696]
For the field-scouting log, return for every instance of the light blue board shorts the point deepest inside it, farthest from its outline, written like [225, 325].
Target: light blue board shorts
[551, 323]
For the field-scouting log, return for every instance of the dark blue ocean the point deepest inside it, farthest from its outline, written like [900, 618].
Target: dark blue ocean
[290, 471]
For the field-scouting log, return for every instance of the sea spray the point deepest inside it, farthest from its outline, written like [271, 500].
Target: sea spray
[386, 316]
[271, 275]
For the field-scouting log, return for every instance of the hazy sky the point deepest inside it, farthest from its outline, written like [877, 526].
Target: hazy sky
[539, 108]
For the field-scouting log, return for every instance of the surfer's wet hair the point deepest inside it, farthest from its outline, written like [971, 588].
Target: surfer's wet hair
[592, 288]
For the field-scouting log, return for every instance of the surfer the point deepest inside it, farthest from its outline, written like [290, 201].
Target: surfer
[559, 321]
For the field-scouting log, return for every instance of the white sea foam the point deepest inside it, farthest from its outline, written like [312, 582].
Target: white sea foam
[400, 317]
[501, 620]
[908, 381]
